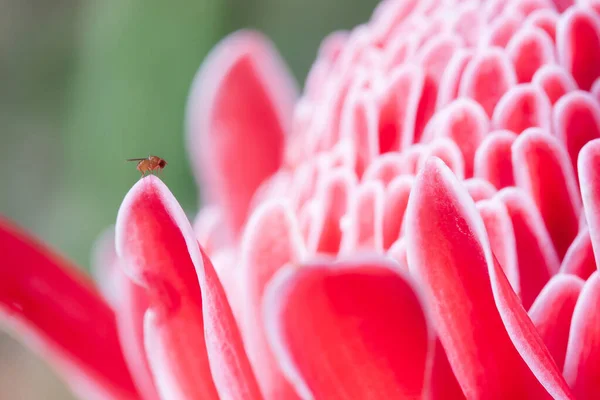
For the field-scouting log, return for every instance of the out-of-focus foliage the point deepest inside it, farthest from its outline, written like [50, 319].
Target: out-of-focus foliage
[85, 84]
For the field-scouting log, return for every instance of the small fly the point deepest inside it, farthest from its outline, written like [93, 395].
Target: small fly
[149, 164]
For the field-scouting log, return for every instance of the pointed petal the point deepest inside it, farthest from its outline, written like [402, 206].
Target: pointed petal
[582, 363]
[487, 335]
[271, 240]
[59, 312]
[331, 330]
[552, 311]
[589, 178]
[537, 258]
[543, 169]
[191, 337]
[239, 110]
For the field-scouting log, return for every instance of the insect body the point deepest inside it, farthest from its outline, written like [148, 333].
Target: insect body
[149, 164]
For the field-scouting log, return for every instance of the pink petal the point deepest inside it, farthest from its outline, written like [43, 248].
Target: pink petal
[450, 80]
[589, 178]
[576, 121]
[191, 337]
[359, 123]
[364, 230]
[522, 107]
[443, 384]
[501, 235]
[333, 199]
[552, 311]
[487, 335]
[466, 123]
[493, 160]
[239, 110]
[529, 49]
[130, 303]
[487, 77]
[56, 309]
[448, 151]
[582, 362]
[332, 332]
[396, 200]
[579, 259]
[536, 256]
[479, 189]
[545, 19]
[543, 169]
[387, 167]
[502, 29]
[554, 80]
[398, 112]
[271, 240]
[578, 45]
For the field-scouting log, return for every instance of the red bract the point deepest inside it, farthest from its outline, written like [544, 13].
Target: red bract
[422, 222]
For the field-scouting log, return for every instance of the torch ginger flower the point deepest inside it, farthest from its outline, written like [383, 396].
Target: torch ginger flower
[422, 222]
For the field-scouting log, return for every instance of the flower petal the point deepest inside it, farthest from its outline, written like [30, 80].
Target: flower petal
[271, 240]
[487, 77]
[529, 49]
[190, 334]
[582, 363]
[589, 178]
[487, 335]
[552, 311]
[543, 169]
[59, 312]
[579, 259]
[576, 121]
[537, 258]
[578, 45]
[240, 108]
[524, 106]
[130, 303]
[493, 160]
[332, 332]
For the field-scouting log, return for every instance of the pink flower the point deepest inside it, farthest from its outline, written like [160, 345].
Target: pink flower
[422, 222]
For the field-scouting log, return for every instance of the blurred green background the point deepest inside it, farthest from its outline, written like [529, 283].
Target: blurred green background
[86, 84]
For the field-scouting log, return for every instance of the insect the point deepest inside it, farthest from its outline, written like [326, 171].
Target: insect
[149, 164]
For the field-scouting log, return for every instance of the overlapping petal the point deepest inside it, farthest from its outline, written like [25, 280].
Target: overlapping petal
[330, 326]
[191, 338]
[57, 310]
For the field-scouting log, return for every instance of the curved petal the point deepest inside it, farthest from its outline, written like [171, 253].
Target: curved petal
[582, 363]
[485, 331]
[589, 178]
[552, 311]
[191, 337]
[542, 168]
[271, 240]
[59, 312]
[330, 327]
[239, 110]
[130, 303]
[579, 259]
